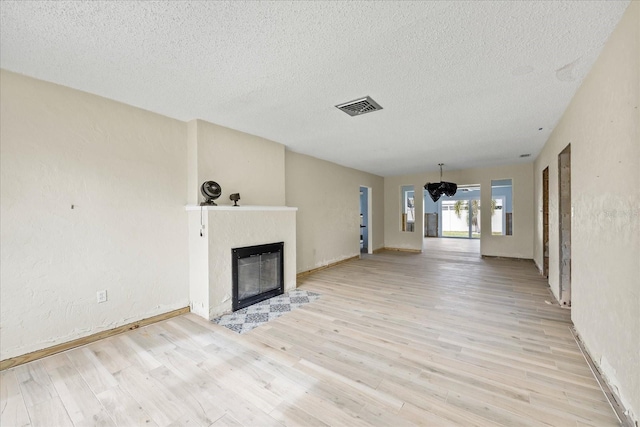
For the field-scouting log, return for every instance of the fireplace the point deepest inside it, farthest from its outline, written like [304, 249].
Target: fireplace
[213, 233]
[257, 273]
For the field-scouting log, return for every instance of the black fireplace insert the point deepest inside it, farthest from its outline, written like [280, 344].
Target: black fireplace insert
[257, 273]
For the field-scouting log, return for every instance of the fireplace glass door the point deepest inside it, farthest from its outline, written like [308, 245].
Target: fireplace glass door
[257, 274]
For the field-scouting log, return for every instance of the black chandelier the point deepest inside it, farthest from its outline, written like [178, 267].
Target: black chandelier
[437, 189]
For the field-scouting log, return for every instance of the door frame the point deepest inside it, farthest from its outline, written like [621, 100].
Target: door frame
[564, 226]
[545, 222]
[369, 219]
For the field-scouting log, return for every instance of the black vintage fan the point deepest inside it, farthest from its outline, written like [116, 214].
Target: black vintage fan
[211, 190]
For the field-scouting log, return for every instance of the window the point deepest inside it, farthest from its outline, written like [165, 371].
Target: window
[501, 207]
[407, 208]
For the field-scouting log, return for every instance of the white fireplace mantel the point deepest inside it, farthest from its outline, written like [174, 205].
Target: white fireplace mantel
[239, 208]
[214, 231]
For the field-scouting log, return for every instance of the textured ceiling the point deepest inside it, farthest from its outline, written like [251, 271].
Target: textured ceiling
[467, 84]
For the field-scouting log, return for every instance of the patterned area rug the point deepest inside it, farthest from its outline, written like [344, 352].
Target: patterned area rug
[251, 317]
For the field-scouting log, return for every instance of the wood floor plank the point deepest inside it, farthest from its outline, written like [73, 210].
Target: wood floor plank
[108, 355]
[198, 403]
[227, 421]
[441, 338]
[422, 417]
[81, 404]
[291, 415]
[158, 401]
[124, 409]
[50, 412]
[94, 373]
[491, 413]
[582, 413]
[13, 411]
[35, 384]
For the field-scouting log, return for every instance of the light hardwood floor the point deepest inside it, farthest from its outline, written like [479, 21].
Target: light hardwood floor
[440, 338]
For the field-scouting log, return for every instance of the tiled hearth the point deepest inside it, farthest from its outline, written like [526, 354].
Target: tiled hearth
[251, 317]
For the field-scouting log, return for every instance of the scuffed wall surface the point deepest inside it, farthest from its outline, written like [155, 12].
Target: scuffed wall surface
[519, 245]
[199, 263]
[124, 171]
[601, 123]
[328, 200]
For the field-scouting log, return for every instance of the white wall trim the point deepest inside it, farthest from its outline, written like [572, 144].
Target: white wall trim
[239, 208]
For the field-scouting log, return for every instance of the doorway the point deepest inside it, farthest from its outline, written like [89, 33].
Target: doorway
[545, 222]
[460, 213]
[564, 195]
[366, 246]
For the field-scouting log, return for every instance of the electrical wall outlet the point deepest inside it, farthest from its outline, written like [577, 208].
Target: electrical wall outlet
[102, 296]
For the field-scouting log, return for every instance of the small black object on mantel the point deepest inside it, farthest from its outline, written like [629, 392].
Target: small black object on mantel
[211, 190]
[235, 197]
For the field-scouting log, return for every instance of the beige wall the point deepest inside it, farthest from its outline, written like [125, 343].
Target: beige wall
[239, 162]
[328, 200]
[601, 123]
[393, 236]
[129, 174]
[124, 170]
[519, 245]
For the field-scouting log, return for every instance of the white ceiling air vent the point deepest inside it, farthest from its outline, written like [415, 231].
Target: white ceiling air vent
[359, 106]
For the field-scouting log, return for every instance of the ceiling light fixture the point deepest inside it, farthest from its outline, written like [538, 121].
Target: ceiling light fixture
[437, 189]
